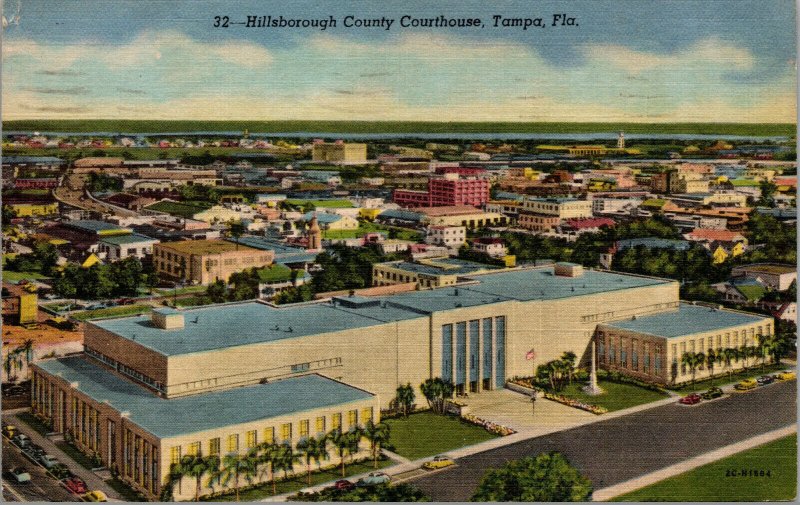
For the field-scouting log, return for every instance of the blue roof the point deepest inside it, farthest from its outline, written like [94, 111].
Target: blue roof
[31, 159]
[166, 418]
[403, 215]
[322, 217]
[220, 326]
[506, 195]
[93, 226]
[284, 253]
[687, 320]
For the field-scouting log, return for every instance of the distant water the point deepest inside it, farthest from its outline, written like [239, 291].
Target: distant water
[579, 137]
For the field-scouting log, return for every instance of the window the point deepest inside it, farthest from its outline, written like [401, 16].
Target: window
[175, 455]
[213, 447]
[286, 432]
[233, 443]
[320, 425]
[352, 418]
[193, 449]
[336, 420]
[251, 439]
[366, 415]
[304, 428]
[269, 435]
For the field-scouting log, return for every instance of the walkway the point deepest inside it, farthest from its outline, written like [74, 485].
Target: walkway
[92, 480]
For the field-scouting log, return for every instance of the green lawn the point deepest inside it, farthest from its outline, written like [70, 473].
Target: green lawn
[711, 482]
[617, 396]
[367, 227]
[299, 482]
[122, 310]
[752, 372]
[181, 291]
[127, 493]
[275, 273]
[18, 276]
[426, 434]
[193, 301]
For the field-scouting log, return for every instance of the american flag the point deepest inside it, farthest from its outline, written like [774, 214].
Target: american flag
[531, 355]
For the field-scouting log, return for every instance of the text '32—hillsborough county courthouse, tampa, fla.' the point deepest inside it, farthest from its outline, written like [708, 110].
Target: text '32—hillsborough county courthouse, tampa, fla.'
[221, 378]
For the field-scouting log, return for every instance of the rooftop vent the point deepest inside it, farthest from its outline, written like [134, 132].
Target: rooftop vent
[564, 269]
[167, 319]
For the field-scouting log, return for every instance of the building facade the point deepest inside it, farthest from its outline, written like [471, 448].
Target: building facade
[206, 261]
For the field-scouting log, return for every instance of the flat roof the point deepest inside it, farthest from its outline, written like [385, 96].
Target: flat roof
[687, 320]
[130, 238]
[205, 246]
[94, 226]
[228, 325]
[166, 418]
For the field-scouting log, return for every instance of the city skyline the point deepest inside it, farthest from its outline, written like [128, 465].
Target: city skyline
[688, 61]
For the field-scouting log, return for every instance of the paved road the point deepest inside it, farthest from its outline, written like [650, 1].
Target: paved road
[619, 449]
[41, 488]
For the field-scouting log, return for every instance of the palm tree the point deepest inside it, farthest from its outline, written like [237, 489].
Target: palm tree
[711, 360]
[270, 453]
[405, 398]
[354, 435]
[377, 434]
[233, 466]
[568, 358]
[745, 352]
[236, 229]
[726, 356]
[309, 449]
[195, 467]
[340, 440]
[692, 360]
[213, 462]
[285, 459]
[26, 348]
[322, 450]
[765, 346]
[436, 391]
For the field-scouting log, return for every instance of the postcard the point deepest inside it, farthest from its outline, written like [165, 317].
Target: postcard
[399, 251]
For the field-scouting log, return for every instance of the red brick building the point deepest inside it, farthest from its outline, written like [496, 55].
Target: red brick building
[446, 190]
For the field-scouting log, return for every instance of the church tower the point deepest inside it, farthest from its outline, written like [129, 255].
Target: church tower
[621, 140]
[314, 235]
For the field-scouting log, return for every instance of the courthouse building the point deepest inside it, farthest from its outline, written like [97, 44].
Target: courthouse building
[221, 378]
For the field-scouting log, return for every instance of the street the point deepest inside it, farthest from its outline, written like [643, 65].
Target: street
[613, 451]
[41, 488]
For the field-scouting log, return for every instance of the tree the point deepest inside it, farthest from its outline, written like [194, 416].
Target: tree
[236, 229]
[233, 467]
[194, 467]
[309, 449]
[436, 392]
[217, 291]
[569, 358]
[377, 434]
[711, 360]
[745, 351]
[340, 440]
[693, 360]
[548, 477]
[404, 398]
[726, 356]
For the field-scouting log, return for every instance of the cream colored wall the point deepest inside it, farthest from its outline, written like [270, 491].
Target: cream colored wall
[374, 358]
[187, 486]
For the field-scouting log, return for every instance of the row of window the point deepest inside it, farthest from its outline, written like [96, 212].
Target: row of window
[629, 354]
[604, 316]
[130, 372]
[285, 435]
[140, 461]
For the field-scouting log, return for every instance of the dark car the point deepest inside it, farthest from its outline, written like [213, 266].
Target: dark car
[22, 440]
[19, 475]
[691, 399]
[75, 485]
[765, 379]
[343, 485]
[712, 393]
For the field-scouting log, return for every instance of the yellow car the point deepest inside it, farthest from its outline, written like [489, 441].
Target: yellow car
[746, 385]
[95, 496]
[437, 462]
[786, 375]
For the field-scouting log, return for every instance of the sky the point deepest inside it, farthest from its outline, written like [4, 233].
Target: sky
[624, 60]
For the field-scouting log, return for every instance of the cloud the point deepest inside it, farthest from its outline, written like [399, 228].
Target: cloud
[169, 75]
[76, 90]
[65, 73]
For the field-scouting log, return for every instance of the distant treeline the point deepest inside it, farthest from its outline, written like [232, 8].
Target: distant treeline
[154, 126]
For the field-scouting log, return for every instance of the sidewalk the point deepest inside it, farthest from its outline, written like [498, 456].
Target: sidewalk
[610, 492]
[92, 481]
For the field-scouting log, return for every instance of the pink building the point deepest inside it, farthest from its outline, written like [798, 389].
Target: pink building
[446, 190]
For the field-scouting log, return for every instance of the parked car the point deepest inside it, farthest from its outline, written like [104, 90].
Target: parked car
[373, 479]
[60, 471]
[746, 385]
[95, 495]
[75, 485]
[48, 461]
[19, 475]
[691, 399]
[22, 440]
[343, 485]
[714, 392]
[96, 306]
[9, 430]
[440, 461]
[765, 379]
[786, 375]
